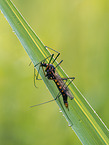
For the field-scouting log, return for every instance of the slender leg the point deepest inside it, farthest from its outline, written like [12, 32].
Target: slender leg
[56, 58]
[72, 78]
[51, 58]
[51, 49]
[59, 94]
[68, 78]
[70, 81]
[69, 94]
[36, 76]
[43, 60]
[54, 51]
[42, 103]
[43, 71]
[48, 57]
[30, 63]
[59, 63]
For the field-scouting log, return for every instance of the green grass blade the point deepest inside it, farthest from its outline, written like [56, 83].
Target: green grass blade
[84, 120]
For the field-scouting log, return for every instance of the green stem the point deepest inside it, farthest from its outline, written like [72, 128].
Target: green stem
[81, 116]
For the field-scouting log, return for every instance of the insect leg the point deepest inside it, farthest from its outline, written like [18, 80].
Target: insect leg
[66, 86]
[54, 51]
[51, 58]
[43, 60]
[59, 63]
[59, 94]
[38, 73]
[30, 63]
[43, 71]
[56, 58]
[43, 103]
[70, 96]
[68, 78]
[70, 81]
[36, 76]
[51, 49]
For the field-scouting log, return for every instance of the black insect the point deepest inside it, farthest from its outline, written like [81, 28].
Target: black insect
[51, 74]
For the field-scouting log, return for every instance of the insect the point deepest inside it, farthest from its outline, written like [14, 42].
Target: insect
[51, 74]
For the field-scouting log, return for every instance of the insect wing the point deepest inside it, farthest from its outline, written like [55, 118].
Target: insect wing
[64, 86]
[69, 94]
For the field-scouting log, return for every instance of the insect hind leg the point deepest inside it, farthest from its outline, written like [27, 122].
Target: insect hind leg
[72, 78]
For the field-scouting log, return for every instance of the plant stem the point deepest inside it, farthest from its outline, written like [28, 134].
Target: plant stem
[81, 116]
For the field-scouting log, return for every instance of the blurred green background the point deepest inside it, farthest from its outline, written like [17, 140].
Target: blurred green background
[79, 30]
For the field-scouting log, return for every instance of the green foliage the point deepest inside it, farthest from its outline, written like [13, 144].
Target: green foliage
[86, 122]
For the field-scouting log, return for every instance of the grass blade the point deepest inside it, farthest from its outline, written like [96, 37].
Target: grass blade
[83, 119]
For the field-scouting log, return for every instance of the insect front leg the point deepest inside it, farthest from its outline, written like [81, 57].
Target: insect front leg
[54, 51]
[36, 76]
[44, 60]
